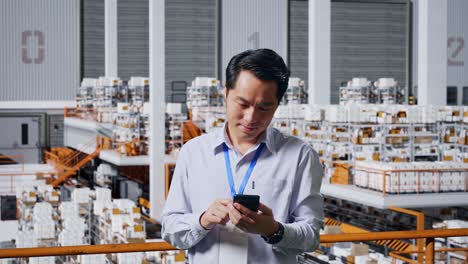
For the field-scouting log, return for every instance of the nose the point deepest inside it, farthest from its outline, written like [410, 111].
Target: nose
[251, 115]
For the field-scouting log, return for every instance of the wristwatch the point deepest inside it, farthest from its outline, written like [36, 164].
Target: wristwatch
[275, 237]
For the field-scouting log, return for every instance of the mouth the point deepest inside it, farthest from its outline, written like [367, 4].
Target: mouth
[248, 129]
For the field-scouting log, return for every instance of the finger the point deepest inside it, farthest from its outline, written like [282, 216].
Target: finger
[220, 213]
[224, 202]
[265, 209]
[214, 219]
[246, 221]
[215, 211]
[234, 215]
[234, 219]
[244, 210]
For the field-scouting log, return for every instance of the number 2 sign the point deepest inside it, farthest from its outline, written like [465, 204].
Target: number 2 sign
[455, 46]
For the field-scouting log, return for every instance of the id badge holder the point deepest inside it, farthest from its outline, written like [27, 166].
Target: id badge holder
[233, 245]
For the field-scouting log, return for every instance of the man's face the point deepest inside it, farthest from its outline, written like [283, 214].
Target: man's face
[250, 106]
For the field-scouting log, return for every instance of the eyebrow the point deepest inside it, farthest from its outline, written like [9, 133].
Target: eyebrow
[262, 104]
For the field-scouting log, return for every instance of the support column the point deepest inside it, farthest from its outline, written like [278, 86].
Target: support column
[110, 38]
[319, 51]
[429, 250]
[157, 104]
[432, 52]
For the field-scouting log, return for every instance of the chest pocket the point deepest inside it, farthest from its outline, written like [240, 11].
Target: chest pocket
[274, 193]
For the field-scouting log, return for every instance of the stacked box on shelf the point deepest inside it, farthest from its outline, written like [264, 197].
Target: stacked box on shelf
[73, 232]
[48, 194]
[106, 97]
[281, 119]
[175, 119]
[366, 133]
[106, 93]
[118, 221]
[127, 130]
[82, 198]
[339, 137]
[295, 93]
[357, 91]
[25, 235]
[37, 215]
[44, 225]
[208, 118]
[425, 142]
[205, 91]
[463, 137]
[411, 177]
[145, 130]
[138, 92]
[102, 208]
[81, 195]
[389, 92]
[205, 101]
[313, 131]
[396, 144]
[26, 239]
[85, 96]
[74, 226]
[126, 220]
[26, 194]
[425, 134]
[104, 174]
[449, 118]
[339, 146]
[289, 119]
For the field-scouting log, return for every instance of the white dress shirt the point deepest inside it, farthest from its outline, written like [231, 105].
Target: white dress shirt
[287, 176]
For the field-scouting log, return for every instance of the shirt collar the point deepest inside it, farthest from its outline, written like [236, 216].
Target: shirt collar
[221, 138]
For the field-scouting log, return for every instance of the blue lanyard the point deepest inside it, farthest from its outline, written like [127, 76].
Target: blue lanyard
[247, 174]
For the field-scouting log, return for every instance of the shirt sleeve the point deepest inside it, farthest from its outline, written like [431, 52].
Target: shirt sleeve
[302, 233]
[180, 226]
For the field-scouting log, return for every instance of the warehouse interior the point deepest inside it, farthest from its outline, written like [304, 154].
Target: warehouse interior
[99, 96]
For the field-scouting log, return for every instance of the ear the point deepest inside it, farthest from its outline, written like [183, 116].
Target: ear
[225, 93]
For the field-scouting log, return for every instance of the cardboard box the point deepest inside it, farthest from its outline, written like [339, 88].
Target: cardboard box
[359, 249]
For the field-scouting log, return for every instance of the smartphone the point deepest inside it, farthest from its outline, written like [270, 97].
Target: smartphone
[248, 201]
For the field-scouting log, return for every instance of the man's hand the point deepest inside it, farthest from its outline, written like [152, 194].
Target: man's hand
[262, 223]
[217, 213]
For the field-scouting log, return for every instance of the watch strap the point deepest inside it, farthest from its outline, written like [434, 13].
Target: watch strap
[275, 237]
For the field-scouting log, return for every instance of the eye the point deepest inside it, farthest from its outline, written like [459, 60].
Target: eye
[264, 109]
[243, 105]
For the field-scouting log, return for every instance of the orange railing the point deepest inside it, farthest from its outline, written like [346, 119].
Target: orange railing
[13, 160]
[68, 165]
[18, 162]
[83, 113]
[419, 226]
[428, 235]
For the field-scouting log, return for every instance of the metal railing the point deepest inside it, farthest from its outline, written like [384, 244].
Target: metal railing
[428, 235]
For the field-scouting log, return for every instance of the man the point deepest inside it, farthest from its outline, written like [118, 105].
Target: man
[250, 157]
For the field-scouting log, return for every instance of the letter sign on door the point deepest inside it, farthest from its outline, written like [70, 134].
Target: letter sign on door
[28, 36]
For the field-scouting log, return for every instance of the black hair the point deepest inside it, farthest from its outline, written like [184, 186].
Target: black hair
[265, 64]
